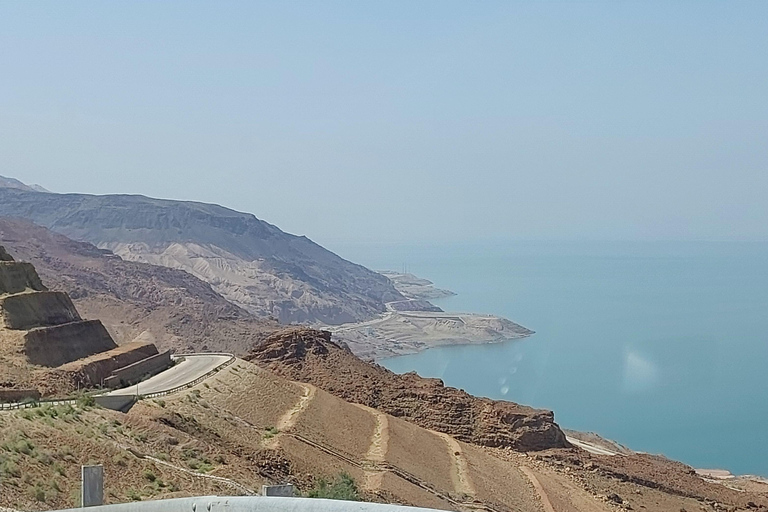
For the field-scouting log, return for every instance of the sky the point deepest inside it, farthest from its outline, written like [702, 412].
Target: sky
[413, 122]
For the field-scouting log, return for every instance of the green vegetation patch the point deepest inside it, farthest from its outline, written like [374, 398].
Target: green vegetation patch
[343, 487]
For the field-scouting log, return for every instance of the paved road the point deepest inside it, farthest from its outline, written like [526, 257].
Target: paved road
[182, 373]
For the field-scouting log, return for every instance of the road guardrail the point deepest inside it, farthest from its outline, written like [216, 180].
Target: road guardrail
[71, 401]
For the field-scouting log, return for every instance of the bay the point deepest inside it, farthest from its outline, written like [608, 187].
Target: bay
[661, 346]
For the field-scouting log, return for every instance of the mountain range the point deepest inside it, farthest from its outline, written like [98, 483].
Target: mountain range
[250, 262]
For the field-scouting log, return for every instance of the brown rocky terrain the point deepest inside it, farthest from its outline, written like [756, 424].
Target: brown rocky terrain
[46, 348]
[310, 356]
[171, 308]
[566, 478]
[245, 426]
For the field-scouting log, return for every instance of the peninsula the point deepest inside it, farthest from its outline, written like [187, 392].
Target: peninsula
[415, 324]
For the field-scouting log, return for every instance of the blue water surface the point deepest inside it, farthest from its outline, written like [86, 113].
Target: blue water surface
[660, 346]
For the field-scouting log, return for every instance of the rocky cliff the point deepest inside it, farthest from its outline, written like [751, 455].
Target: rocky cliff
[248, 261]
[310, 356]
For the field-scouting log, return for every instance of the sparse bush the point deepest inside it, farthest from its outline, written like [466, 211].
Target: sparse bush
[86, 401]
[45, 458]
[342, 487]
[120, 459]
[9, 469]
[133, 495]
[38, 492]
[149, 475]
[21, 445]
[271, 432]
[59, 469]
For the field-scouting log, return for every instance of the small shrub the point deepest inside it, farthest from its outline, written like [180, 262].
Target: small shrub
[59, 469]
[39, 493]
[45, 458]
[133, 495]
[342, 487]
[86, 401]
[9, 469]
[149, 475]
[271, 432]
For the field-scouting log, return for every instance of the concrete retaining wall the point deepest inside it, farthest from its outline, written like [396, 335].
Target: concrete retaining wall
[15, 277]
[18, 395]
[122, 403]
[61, 344]
[93, 370]
[37, 309]
[133, 373]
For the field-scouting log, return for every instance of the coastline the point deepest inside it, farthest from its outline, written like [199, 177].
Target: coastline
[369, 341]
[413, 325]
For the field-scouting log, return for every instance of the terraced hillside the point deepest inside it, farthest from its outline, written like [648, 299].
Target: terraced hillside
[245, 426]
[46, 348]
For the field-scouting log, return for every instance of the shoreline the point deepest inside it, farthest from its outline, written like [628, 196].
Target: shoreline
[414, 325]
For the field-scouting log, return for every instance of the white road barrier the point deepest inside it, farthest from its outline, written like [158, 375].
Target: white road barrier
[253, 504]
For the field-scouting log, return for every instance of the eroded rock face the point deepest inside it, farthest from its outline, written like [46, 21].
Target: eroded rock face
[29, 310]
[308, 355]
[4, 256]
[61, 344]
[17, 277]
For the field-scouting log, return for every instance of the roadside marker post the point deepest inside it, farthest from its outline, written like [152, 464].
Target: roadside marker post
[92, 486]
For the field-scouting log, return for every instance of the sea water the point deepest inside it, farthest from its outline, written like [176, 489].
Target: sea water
[662, 347]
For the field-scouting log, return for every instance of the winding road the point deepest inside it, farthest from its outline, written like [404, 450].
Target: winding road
[185, 371]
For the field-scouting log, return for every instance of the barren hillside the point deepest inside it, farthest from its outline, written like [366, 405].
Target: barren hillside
[248, 261]
[170, 307]
[310, 356]
[245, 426]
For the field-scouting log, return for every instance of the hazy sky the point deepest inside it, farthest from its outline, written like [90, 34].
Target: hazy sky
[402, 121]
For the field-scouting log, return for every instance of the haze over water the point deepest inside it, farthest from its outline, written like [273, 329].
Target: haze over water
[660, 346]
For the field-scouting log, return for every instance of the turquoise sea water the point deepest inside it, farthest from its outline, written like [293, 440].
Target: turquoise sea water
[660, 346]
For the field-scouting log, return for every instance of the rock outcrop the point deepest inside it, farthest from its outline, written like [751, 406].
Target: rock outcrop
[310, 356]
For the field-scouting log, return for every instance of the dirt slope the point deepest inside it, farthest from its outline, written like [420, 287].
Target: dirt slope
[246, 426]
[166, 306]
[310, 356]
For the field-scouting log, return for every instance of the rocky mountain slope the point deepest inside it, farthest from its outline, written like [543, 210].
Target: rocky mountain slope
[248, 261]
[245, 427]
[135, 300]
[310, 356]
